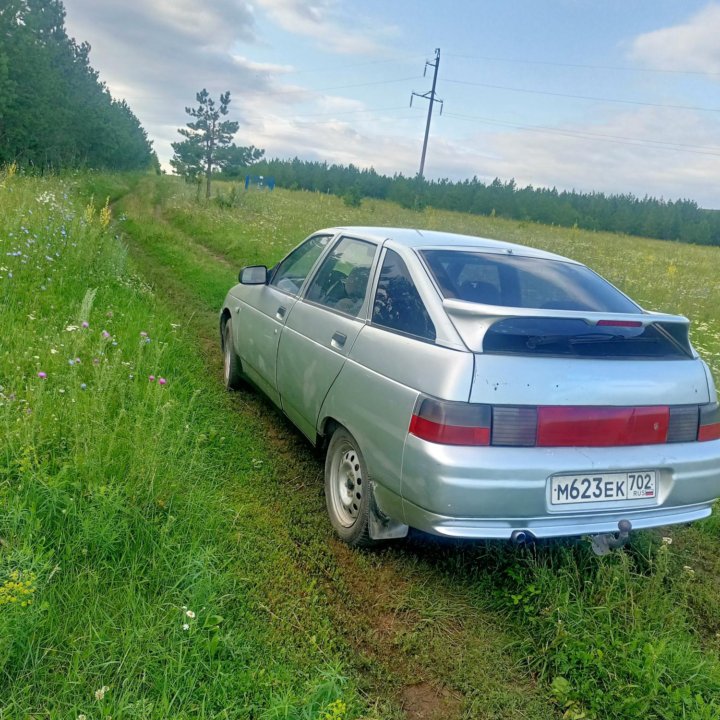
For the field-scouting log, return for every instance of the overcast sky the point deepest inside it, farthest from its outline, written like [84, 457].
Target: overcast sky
[614, 96]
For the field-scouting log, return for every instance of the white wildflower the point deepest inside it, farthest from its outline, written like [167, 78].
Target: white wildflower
[190, 614]
[100, 694]
[667, 540]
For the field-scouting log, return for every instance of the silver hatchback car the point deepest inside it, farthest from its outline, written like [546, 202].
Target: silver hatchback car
[478, 389]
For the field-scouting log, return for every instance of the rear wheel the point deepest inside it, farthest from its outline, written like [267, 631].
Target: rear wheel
[232, 370]
[347, 490]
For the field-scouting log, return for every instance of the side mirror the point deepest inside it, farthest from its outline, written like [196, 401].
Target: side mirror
[253, 275]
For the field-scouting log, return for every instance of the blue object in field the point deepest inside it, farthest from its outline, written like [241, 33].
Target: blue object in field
[261, 181]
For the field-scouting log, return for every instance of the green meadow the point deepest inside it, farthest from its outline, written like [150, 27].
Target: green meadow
[164, 550]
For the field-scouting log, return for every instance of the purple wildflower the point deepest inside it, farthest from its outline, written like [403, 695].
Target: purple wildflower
[162, 381]
[42, 375]
[85, 324]
[151, 378]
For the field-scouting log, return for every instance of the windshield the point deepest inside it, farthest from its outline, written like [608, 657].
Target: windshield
[524, 282]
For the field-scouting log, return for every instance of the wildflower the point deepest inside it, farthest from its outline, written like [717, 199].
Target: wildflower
[42, 375]
[190, 614]
[71, 361]
[96, 361]
[77, 361]
[688, 570]
[667, 540]
[100, 693]
[143, 333]
[85, 324]
[151, 378]
[83, 386]
[162, 381]
[186, 626]
[81, 717]
[105, 334]
[71, 328]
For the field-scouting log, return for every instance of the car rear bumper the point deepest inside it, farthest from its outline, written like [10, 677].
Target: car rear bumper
[489, 492]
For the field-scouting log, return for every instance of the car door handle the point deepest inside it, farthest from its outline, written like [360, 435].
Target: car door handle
[338, 340]
[280, 313]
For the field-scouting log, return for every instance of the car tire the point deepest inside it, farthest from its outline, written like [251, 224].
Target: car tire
[232, 369]
[348, 493]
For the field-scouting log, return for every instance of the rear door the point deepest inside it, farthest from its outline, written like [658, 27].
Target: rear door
[322, 328]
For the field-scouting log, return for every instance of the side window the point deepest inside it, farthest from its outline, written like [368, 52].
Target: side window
[397, 302]
[342, 279]
[290, 274]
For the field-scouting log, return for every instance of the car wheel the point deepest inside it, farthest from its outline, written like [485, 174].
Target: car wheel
[232, 370]
[347, 490]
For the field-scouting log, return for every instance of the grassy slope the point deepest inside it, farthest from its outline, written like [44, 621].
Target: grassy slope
[215, 503]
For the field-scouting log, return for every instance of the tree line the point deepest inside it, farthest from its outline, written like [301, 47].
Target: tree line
[681, 220]
[55, 113]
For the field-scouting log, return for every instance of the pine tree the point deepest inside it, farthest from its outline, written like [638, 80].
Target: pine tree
[208, 141]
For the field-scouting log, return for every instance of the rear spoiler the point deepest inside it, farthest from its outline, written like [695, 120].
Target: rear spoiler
[472, 321]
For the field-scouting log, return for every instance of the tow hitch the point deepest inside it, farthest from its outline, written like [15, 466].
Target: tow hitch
[603, 543]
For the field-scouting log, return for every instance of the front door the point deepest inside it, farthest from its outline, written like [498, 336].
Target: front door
[322, 328]
[261, 318]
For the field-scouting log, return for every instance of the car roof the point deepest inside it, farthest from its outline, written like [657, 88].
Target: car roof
[420, 239]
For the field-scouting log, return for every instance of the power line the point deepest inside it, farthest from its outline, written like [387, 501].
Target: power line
[618, 139]
[582, 97]
[587, 66]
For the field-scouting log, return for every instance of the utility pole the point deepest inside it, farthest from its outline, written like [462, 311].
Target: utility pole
[431, 97]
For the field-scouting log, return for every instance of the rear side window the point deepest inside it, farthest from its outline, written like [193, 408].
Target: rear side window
[524, 282]
[398, 304]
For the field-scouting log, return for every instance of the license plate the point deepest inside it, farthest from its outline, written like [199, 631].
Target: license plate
[602, 487]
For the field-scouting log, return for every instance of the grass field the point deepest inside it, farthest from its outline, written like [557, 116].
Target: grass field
[164, 551]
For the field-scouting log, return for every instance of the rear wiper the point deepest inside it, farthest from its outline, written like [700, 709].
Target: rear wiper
[586, 339]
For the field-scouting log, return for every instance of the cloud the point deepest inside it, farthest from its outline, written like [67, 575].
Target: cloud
[324, 20]
[158, 55]
[691, 46]
[597, 163]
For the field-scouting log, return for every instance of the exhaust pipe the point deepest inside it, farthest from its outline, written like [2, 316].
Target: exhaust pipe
[522, 537]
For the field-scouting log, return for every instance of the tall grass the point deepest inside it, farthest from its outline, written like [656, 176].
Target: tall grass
[135, 556]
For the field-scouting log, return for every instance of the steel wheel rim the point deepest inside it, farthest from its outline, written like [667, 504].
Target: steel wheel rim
[346, 484]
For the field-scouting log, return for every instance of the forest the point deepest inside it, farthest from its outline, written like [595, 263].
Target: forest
[55, 113]
[679, 220]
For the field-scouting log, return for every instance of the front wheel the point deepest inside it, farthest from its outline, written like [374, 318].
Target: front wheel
[232, 371]
[347, 490]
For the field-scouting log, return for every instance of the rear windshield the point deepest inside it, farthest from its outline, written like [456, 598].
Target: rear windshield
[524, 282]
[562, 336]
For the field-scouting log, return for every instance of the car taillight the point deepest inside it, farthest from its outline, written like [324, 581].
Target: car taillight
[709, 422]
[601, 426]
[451, 423]
[460, 423]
